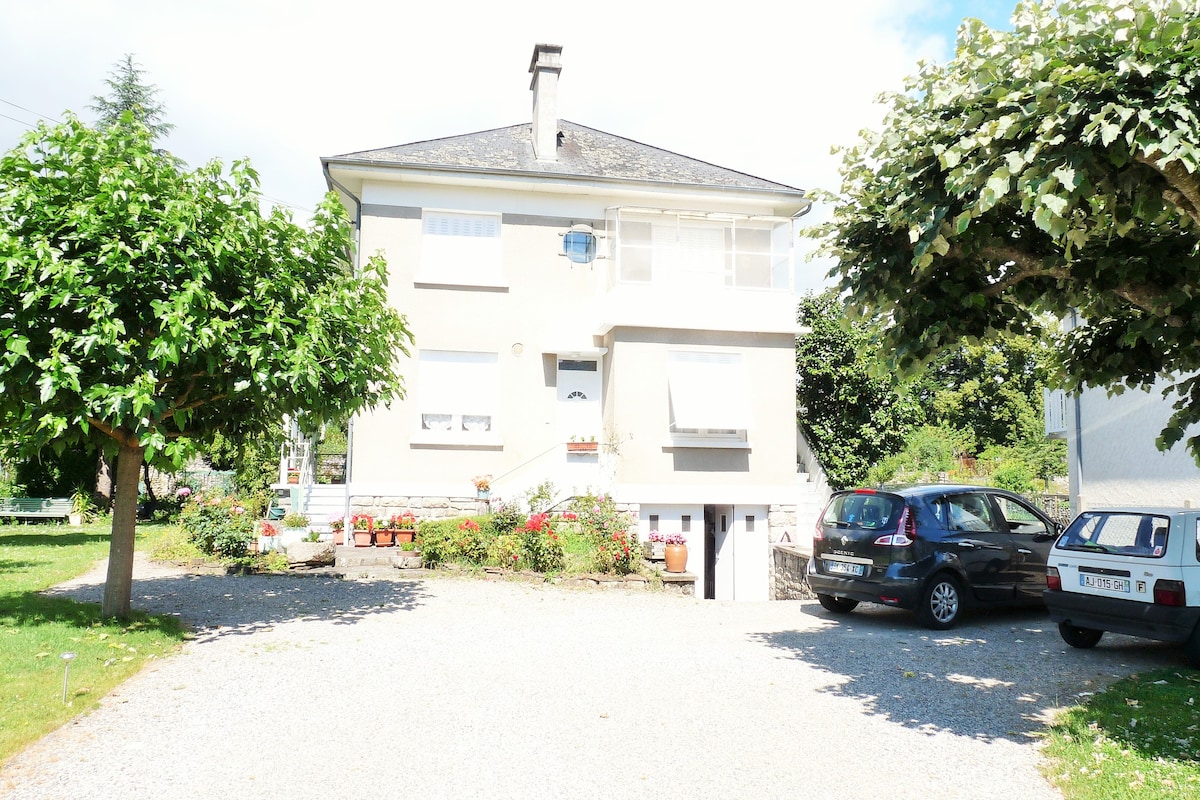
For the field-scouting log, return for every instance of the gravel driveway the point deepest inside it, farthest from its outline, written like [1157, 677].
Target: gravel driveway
[458, 688]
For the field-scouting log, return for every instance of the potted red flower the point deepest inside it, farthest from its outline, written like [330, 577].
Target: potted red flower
[364, 526]
[406, 526]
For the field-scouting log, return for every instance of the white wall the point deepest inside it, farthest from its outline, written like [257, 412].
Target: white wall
[1120, 463]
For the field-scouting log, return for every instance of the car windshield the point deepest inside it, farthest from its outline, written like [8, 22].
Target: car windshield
[868, 511]
[1121, 532]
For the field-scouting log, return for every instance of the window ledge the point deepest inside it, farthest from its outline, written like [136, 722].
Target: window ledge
[431, 439]
[460, 284]
[677, 442]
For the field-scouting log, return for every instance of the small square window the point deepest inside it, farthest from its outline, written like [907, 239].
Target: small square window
[749, 523]
[686, 523]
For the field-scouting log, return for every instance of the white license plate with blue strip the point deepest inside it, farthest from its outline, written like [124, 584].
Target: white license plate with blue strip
[1104, 582]
[845, 568]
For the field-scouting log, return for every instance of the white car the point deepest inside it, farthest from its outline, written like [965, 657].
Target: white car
[1128, 570]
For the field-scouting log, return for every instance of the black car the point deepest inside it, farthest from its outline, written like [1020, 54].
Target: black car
[934, 549]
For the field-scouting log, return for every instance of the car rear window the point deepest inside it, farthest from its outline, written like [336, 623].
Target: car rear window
[862, 510]
[1123, 533]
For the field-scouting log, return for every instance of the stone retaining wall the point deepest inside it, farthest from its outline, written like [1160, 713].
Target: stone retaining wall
[788, 573]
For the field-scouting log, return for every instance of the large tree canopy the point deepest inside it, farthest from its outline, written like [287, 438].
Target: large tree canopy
[142, 305]
[1050, 168]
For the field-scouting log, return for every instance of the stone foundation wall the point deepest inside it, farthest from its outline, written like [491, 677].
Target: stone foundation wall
[421, 507]
[788, 574]
[781, 520]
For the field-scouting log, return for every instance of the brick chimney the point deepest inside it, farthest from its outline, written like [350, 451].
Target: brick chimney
[545, 66]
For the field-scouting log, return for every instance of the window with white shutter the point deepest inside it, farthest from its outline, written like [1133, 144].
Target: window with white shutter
[460, 248]
[458, 396]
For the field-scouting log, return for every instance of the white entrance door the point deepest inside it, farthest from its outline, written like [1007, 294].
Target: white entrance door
[579, 388]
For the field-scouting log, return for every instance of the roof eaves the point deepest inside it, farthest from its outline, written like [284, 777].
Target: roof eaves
[783, 190]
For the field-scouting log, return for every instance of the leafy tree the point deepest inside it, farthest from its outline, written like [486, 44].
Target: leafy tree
[993, 389]
[850, 416]
[128, 94]
[143, 305]
[1050, 168]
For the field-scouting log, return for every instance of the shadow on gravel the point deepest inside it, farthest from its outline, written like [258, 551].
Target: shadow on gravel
[223, 605]
[997, 675]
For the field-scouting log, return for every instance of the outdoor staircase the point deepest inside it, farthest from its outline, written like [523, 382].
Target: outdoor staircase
[320, 501]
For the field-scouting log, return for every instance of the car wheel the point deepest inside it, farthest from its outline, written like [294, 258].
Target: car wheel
[941, 603]
[838, 605]
[1191, 648]
[1079, 637]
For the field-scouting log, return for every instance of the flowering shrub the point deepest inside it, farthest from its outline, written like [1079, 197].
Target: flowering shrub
[267, 529]
[506, 517]
[482, 482]
[655, 536]
[445, 540]
[406, 521]
[541, 544]
[504, 550]
[217, 524]
[336, 522]
[675, 538]
[183, 492]
[362, 522]
[618, 553]
[615, 548]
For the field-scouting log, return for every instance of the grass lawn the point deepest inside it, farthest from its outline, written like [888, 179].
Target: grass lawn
[35, 631]
[1138, 740]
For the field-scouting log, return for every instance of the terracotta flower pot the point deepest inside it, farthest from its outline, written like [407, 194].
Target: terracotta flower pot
[385, 538]
[362, 538]
[676, 557]
[405, 535]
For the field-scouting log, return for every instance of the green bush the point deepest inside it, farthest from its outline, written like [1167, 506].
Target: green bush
[459, 539]
[1014, 476]
[218, 524]
[506, 517]
[541, 545]
[620, 553]
[504, 550]
[610, 533]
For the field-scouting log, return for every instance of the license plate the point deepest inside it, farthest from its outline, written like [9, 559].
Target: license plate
[844, 568]
[1107, 584]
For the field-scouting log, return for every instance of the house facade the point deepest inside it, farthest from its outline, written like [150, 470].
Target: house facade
[590, 311]
[1112, 458]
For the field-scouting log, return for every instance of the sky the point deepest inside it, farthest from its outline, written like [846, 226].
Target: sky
[766, 87]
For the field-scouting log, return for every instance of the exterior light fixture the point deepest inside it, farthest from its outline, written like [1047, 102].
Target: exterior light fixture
[66, 671]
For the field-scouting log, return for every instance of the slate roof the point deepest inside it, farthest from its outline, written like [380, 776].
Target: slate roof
[583, 152]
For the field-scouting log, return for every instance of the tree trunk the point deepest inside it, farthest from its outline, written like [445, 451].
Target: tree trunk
[118, 588]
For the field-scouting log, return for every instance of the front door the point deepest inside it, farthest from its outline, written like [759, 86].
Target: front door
[710, 552]
[579, 388]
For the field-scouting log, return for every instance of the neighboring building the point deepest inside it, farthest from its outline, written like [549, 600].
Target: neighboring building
[1111, 453]
[665, 335]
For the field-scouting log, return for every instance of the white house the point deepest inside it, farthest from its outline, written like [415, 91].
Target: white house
[1112, 458]
[566, 284]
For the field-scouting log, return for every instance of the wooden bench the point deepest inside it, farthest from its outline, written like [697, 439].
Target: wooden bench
[35, 507]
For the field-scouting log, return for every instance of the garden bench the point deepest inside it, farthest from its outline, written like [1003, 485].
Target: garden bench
[35, 507]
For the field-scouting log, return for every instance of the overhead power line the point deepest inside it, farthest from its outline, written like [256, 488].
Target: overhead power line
[28, 111]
